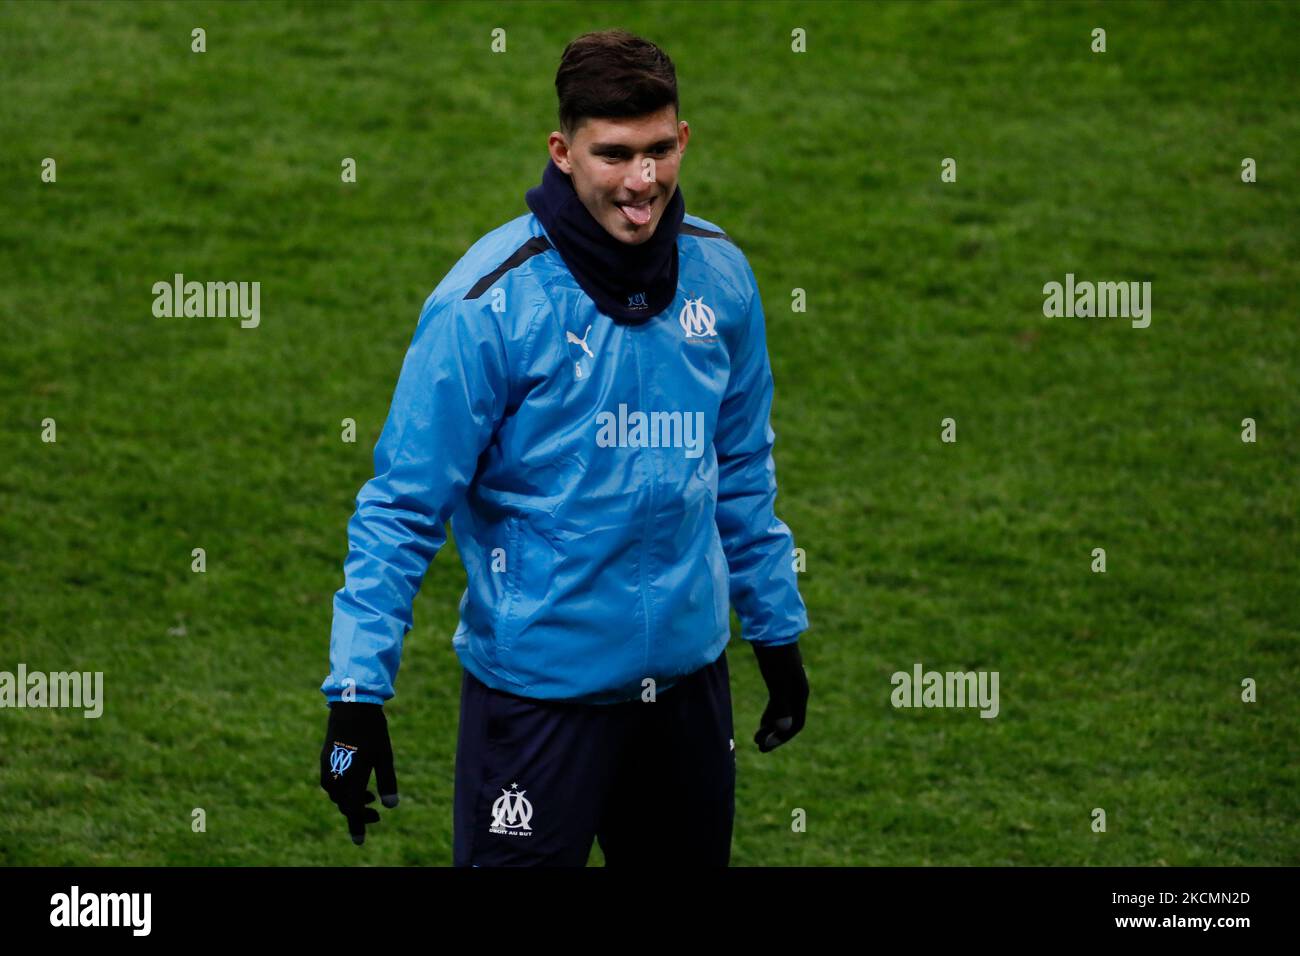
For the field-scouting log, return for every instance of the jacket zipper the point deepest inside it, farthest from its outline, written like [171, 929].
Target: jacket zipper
[649, 512]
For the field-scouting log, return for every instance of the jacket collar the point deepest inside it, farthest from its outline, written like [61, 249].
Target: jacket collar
[630, 283]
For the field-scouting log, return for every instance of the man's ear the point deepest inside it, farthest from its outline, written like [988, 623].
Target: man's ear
[559, 150]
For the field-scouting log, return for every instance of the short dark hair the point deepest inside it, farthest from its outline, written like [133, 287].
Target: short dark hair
[613, 74]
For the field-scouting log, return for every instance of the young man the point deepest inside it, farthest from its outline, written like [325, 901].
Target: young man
[587, 398]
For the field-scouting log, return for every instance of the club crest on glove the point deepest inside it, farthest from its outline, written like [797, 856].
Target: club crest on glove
[341, 758]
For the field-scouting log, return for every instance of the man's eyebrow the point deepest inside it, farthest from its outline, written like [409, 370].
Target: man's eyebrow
[666, 143]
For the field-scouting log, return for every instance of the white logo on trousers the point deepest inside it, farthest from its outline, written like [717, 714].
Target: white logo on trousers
[511, 812]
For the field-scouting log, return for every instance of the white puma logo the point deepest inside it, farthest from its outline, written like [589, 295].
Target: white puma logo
[570, 337]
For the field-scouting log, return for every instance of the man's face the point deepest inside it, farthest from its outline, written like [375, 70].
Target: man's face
[624, 170]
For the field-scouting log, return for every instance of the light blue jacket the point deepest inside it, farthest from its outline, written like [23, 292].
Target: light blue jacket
[610, 486]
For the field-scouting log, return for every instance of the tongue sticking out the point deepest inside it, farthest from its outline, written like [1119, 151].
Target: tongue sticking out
[637, 214]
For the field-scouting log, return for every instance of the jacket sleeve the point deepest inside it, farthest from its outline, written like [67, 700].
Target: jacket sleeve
[758, 545]
[450, 396]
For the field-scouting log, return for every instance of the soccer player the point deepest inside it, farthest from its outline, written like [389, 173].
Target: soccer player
[586, 398]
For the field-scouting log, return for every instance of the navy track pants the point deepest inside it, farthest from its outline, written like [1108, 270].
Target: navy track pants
[654, 782]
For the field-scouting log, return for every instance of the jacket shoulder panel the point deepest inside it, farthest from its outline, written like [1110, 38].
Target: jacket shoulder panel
[495, 254]
[505, 258]
[708, 243]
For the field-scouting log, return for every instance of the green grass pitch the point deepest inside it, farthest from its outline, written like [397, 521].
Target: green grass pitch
[1119, 690]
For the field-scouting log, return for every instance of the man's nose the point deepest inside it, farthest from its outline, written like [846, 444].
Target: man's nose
[635, 182]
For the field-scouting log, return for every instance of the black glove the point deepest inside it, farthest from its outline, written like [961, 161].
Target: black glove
[356, 741]
[787, 694]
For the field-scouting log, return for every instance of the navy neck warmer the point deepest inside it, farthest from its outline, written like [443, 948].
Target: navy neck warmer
[627, 282]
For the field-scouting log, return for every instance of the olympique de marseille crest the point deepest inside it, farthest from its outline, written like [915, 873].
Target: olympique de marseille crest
[697, 319]
[511, 812]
